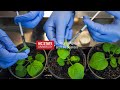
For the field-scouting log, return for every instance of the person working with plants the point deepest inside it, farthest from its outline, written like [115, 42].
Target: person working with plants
[59, 26]
[106, 32]
[8, 52]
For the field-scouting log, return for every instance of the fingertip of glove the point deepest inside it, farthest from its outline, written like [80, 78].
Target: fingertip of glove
[27, 51]
[61, 46]
[14, 49]
[21, 56]
[86, 17]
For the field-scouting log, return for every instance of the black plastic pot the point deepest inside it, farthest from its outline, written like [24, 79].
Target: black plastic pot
[61, 72]
[32, 53]
[95, 73]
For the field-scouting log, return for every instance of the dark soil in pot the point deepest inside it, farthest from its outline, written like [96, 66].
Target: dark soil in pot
[107, 73]
[61, 72]
[32, 53]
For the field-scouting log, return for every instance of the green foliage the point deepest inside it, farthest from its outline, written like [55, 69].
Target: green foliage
[117, 51]
[60, 61]
[20, 71]
[106, 47]
[21, 62]
[75, 59]
[114, 48]
[76, 71]
[30, 66]
[66, 44]
[30, 58]
[113, 62]
[119, 60]
[24, 48]
[34, 68]
[63, 53]
[40, 57]
[98, 61]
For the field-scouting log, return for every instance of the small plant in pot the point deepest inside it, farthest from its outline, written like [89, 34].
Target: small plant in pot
[104, 61]
[31, 67]
[67, 63]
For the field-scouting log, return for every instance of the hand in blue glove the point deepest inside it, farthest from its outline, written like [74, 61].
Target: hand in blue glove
[30, 20]
[103, 33]
[116, 14]
[59, 27]
[8, 51]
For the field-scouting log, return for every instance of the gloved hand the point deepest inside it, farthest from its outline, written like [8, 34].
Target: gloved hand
[116, 14]
[8, 51]
[59, 27]
[29, 20]
[104, 33]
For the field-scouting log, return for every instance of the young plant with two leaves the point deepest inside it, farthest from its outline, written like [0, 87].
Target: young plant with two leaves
[76, 70]
[31, 66]
[98, 60]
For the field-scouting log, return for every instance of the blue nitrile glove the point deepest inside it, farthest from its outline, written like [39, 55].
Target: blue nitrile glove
[59, 27]
[103, 33]
[30, 20]
[116, 14]
[8, 51]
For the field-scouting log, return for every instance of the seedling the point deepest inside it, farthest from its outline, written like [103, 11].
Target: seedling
[24, 48]
[98, 60]
[30, 66]
[76, 70]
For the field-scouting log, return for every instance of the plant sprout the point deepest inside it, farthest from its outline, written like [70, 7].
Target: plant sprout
[30, 66]
[98, 60]
[76, 70]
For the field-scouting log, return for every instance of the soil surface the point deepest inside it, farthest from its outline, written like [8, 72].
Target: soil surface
[60, 72]
[109, 72]
[32, 53]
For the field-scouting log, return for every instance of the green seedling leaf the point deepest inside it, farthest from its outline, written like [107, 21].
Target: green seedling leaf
[113, 62]
[117, 51]
[40, 57]
[119, 60]
[34, 68]
[63, 53]
[30, 58]
[114, 48]
[106, 47]
[66, 44]
[21, 62]
[24, 48]
[60, 61]
[76, 71]
[20, 71]
[75, 59]
[98, 61]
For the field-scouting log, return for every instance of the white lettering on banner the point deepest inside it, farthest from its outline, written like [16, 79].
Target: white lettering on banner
[45, 43]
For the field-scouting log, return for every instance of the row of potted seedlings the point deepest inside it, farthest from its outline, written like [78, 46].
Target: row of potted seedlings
[103, 60]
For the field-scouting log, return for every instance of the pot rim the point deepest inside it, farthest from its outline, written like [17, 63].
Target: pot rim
[99, 77]
[36, 75]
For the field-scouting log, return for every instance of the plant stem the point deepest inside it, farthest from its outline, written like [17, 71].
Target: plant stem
[65, 60]
[70, 62]
[26, 64]
[107, 58]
